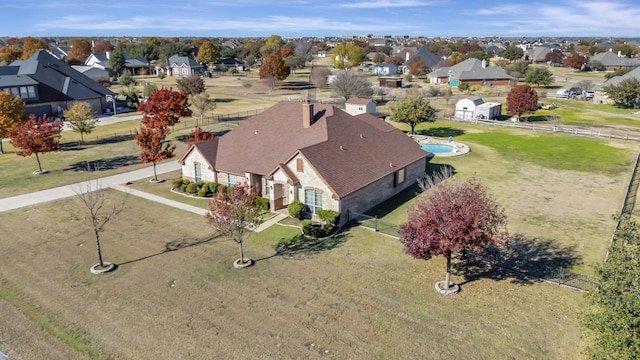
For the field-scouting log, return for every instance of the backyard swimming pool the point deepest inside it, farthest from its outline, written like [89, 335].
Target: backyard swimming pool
[437, 148]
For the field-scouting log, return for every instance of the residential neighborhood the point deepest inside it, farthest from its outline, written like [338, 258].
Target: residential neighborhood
[238, 188]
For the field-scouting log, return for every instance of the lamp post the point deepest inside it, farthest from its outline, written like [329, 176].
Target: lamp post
[110, 98]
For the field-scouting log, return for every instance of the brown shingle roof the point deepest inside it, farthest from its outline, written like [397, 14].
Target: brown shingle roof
[348, 152]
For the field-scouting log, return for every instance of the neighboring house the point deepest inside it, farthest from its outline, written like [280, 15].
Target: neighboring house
[390, 82]
[231, 44]
[385, 69]
[357, 106]
[48, 86]
[537, 54]
[314, 153]
[471, 72]
[136, 66]
[600, 96]
[184, 66]
[421, 52]
[58, 52]
[226, 63]
[92, 72]
[613, 62]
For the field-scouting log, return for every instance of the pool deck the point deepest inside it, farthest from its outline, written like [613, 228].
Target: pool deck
[458, 148]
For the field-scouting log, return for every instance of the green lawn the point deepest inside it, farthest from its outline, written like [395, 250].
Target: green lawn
[109, 150]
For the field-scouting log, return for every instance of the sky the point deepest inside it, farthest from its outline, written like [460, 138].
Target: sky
[299, 18]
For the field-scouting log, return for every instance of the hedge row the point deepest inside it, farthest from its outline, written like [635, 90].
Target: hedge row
[204, 189]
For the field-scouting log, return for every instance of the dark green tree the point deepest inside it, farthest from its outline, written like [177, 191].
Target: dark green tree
[539, 76]
[512, 53]
[612, 322]
[626, 93]
[413, 109]
[117, 61]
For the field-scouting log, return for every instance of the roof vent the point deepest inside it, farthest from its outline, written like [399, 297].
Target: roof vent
[390, 164]
[256, 132]
[361, 136]
[342, 148]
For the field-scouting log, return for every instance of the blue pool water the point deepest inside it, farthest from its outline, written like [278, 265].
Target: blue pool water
[437, 148]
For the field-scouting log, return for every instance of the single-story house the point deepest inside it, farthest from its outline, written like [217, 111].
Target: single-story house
[600, 96]
[613, 62]
[472, 72]
[49, 86]
[136, 66]
[385, 69]
[357, 106]
[314, 153]
[184, 66]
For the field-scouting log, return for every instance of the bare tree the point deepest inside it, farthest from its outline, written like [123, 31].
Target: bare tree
[349, 84]
[271, 83]
[202, 104]
[303, 49]
[96, 198]
[319, 76]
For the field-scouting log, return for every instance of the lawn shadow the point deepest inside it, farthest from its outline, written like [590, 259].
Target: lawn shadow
[176, 245]
[77, 145]
[302, 245]
[104, 164]
[386, 207]
[223, 100]
[295, 85]
[443, 131]
[523, 260]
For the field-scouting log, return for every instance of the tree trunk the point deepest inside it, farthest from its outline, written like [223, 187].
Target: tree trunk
[447, 279]
[155, 176]
[1, 149]
[81, 137]
[98, 247]
[241, 252]
[38, 160]
[413, 127]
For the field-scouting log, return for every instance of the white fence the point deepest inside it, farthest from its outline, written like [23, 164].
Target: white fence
[597, 133]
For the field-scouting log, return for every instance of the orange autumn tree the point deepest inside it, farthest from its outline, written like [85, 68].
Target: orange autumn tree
[36, 135]
[161, 110]
[11, 109]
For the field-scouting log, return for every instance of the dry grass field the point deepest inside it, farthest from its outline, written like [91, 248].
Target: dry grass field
[176, 295]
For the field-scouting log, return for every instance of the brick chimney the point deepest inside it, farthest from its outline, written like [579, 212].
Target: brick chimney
[307, 114]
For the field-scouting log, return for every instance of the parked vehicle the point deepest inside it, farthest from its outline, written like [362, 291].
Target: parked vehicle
[588, 94]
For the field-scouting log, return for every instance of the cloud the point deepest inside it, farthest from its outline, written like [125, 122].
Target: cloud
[380, 4]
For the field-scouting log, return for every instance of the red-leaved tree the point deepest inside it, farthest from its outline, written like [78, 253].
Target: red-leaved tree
[576, 61]
[36, 135]
[198, 135]
[162, 109]
[233, 213]
[154, 148]
[522, 99]
[452, 216]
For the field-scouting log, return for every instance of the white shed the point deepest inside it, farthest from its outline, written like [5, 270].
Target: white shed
[488, 111]
[466, 108]
[357, 106]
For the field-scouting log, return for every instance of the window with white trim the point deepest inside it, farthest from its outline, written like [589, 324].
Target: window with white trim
[399, 177]
[312, 201]
[233, 179]
[197, 171]
[267, 188]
